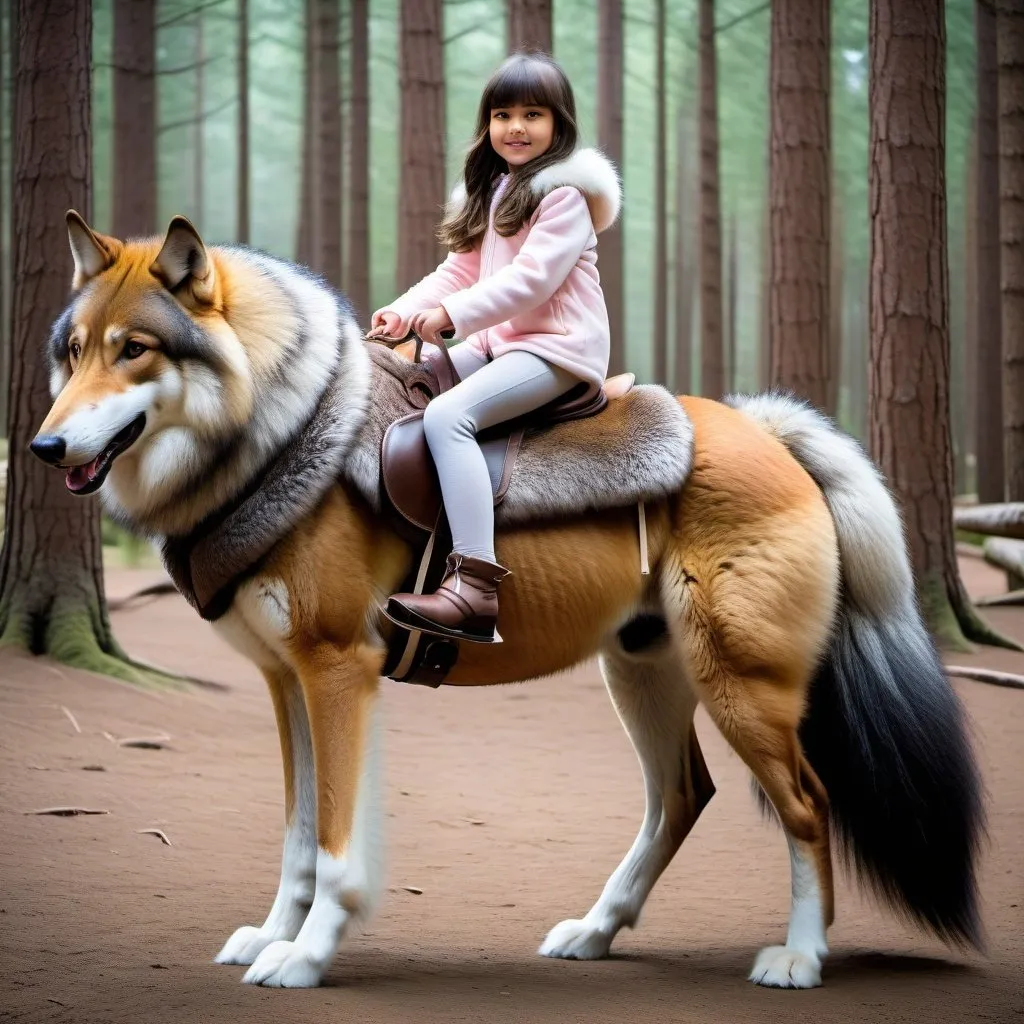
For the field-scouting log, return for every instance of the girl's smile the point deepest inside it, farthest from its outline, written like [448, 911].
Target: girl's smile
[521, 133]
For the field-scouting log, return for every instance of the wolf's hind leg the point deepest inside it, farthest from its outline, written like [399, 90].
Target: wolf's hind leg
[655, 704]
[298, 863]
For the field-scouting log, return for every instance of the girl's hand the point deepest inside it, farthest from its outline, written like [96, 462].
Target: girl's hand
[385, 324]
[430, 323]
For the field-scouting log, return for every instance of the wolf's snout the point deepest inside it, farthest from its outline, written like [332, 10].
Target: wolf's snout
[49, 447]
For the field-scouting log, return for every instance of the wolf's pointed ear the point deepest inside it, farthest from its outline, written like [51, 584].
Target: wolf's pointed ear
[92, 253]
[183, 263]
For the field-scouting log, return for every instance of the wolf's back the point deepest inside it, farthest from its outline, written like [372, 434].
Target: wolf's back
[884, 729]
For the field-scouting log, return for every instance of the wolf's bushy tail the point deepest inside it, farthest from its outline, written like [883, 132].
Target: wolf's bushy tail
[884, 729]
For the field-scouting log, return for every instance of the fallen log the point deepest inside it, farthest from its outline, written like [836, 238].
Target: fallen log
[1007, 555]
[986, 675]
[1011, 598]
[1005, 519]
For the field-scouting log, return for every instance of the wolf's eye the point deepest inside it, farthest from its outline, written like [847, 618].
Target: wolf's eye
[75, 349]
[134, 349]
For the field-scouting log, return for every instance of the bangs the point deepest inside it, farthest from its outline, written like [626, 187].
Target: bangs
[526, 81]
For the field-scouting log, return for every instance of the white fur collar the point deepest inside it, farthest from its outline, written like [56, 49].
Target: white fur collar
[593, 174]
[589, 170]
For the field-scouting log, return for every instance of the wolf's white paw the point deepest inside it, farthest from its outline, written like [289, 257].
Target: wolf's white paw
[245, 945]
[284, 965]
[781, 967]
[576, 940]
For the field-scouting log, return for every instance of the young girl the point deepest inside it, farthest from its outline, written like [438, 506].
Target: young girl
[520, 286]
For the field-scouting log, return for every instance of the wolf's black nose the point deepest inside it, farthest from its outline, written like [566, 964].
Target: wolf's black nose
[49, 447]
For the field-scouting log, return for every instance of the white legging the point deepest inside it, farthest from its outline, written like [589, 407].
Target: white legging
[490, 393]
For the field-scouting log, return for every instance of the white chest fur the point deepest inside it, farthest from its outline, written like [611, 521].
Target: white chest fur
[258, 624]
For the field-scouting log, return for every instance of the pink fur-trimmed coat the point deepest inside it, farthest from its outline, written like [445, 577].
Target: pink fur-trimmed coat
[538, 290]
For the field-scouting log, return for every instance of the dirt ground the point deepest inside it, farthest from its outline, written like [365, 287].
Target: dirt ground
[507, 807]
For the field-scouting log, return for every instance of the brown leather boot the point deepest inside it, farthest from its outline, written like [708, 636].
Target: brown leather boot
[465, 606]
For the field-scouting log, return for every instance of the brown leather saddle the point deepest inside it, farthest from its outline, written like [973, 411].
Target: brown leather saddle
[408, 476]
[412, 494]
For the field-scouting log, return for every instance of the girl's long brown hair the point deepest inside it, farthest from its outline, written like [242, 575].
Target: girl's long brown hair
[530, 79]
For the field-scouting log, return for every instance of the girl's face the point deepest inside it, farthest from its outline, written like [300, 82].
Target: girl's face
[520, 133]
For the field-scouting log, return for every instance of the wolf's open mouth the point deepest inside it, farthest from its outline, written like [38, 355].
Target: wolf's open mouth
[88, 478]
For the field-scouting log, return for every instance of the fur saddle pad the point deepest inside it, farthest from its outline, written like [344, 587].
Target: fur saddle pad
[639, 448]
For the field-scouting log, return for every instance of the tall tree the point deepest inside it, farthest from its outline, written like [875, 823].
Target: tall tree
[731, 306]
[1010, 33]
[800, 198]
[529, 25]
[964, 480]
[712, 382]
[835, 302]
[988, 329]
[307, 243]
[51, 572]
[199, 145]
[421, 189]
[134, 169]
[358, 263]
[242, 212]
[909, 365]
[660, 210]
[685, 261]
[329, 143]
[609, 138]
[5, 345]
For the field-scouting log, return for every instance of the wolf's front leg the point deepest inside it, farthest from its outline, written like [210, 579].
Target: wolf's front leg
[298, 863]
[340, 687]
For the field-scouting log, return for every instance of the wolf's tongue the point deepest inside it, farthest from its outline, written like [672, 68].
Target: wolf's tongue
[79, 476]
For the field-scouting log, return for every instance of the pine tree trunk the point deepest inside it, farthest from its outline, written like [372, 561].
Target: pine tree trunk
[134, 159]
[968, 483]
[909, 366]
[800, 197]
[685, 263]
[764, 324]
[242, 214]
[609, 139]
[529, 25]
[660, 211]
[1010, 36]
[5, 341]
[835, 305]
[51, 567]
[712, 382]
[307, 244]
[358, 264]
[988, 331]
[199, 152]
[731, 306]
[329, 152]
[421, 189]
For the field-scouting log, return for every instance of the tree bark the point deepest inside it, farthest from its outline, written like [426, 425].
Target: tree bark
[967, 482]
[242, 213]
[51, 567]
[529, 25]
[800, 197]
[358, 264]
[731, 305]
[660, 212]
[685, 263]
[307, 244]
[609, 139]
[712, 381]
[835, 305]
[988, 330]
[199, 152]
[908, 399]
[134, 160]
[421, 189]
[1010, 34]
[5, 340]
[328, 212]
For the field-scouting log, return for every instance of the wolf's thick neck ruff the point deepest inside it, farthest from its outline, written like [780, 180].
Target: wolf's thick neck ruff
[562, 471]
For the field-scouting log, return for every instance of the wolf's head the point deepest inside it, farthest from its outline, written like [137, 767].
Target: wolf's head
[144, 365]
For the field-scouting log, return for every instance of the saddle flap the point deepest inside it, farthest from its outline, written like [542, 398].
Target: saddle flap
[409, 476]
